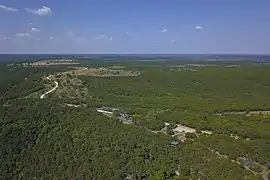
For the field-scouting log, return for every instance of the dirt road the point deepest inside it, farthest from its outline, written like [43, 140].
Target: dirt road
[48, 92]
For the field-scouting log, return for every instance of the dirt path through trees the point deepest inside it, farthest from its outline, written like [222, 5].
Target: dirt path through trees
[48, 92]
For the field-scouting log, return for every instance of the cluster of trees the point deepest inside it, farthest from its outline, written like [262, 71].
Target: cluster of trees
[16, 82]
[43, 140]
[191, 98]
[256, 150]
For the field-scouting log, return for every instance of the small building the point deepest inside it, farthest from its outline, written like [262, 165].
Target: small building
[174, 143]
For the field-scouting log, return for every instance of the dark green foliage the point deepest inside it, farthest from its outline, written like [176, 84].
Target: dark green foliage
[43, 139]
[191, 136]
[69, 143]
[256, 168]
[198, 130]
[16, 81]
[256, 150]
[191, 97]
[170, 132]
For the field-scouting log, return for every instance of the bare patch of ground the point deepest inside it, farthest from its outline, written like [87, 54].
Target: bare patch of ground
[186, 129]
[116, 67]
[52, 62]
[105, 72]
[183, 69]
[180, 131]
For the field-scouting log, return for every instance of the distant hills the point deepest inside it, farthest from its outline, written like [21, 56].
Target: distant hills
[139, 57]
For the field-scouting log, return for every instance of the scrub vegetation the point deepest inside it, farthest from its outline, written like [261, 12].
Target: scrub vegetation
[62, 136]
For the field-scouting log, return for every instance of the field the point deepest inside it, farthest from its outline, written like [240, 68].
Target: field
[199, 120]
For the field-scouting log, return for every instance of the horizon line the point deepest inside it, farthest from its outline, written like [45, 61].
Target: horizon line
[217, 54]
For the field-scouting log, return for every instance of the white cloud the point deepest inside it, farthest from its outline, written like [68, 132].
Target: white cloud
[23, 34]
[163, 30]
[34, 30]
[6, 38]
[199, 27]
[43, 11]
[103, 37]
[6, 8]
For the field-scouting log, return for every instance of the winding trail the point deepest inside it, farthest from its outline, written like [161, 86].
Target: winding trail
[48, 92]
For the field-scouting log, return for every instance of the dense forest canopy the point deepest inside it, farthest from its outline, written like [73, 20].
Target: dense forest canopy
[60, 135]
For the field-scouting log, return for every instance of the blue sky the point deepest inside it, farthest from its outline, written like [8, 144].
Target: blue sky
[135, 26]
